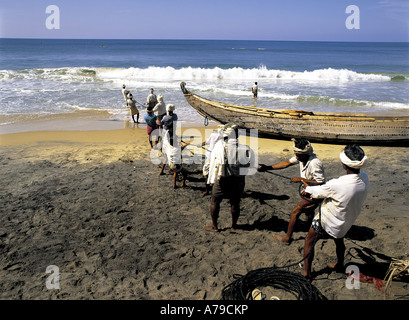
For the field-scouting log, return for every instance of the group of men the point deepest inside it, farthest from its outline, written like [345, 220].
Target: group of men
[158, 114]
[339, 200]
[156, 105]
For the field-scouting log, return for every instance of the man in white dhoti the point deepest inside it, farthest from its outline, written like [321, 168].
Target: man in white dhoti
[342, 202]
[227, 173]
[131, 103]
[211, 141]
[172, 155]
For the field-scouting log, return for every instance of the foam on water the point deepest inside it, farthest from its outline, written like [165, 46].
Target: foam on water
[72, 89]
[86, 74]
[212, 74]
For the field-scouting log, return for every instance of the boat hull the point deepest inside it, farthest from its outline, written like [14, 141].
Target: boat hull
[334, 128]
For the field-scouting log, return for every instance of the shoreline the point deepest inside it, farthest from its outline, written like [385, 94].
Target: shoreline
[80, 121]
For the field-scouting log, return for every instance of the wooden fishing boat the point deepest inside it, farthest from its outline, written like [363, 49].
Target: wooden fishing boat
[336, 128]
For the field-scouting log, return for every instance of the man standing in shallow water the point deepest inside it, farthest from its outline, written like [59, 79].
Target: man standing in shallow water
[254, 90]
[151, 100]
[131, 103]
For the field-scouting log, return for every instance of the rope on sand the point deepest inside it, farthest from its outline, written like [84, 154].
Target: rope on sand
[277, 278]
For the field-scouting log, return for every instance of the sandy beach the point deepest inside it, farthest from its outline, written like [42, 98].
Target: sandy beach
[91, 203]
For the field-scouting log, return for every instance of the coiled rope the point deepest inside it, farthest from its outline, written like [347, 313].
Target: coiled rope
[276, 277]
[294, 283]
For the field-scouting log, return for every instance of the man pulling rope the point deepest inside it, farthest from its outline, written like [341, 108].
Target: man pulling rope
[342, 202]
[311, 173]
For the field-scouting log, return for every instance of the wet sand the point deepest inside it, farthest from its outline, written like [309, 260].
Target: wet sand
[91, 203]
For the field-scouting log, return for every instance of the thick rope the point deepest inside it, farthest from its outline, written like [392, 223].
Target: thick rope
[276, 277]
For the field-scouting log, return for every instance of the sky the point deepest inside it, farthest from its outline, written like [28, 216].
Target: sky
[291, 20]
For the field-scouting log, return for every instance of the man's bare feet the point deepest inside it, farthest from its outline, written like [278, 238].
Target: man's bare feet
[204, 193]
[307, 277]
[336, 267]
[211, 228]
[282, 239]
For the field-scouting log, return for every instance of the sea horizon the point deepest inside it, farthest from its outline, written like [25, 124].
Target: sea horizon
[197, 39]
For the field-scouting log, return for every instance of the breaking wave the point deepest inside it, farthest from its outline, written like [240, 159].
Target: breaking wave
[89, 74]
[212, 74]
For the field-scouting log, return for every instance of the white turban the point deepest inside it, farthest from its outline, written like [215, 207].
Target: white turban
[228, 133]
[219, 131]
[170, 107]
[307, 149]
[354, 164]
[229, 130]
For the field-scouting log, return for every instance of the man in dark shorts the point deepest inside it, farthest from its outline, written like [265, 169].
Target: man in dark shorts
[226, 176]
[150, 119]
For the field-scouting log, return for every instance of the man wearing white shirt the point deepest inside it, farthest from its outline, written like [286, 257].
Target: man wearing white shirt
[342, 202]
[125, 92]
[151, 100]
[160, 108]
[254, 90]
[311, 172]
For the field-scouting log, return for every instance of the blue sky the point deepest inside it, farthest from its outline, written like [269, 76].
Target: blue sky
[298, 20]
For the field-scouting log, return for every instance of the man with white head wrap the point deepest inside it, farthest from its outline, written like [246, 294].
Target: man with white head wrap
[342, 202]
[311, 172]
[168, 120]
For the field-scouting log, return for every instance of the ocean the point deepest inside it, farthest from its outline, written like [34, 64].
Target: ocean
[42, 78]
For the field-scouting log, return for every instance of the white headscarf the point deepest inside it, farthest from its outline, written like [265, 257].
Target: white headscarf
[229, 130]
[354, 164]
[307, 149]
[170, 107]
